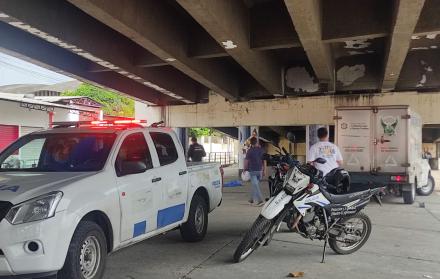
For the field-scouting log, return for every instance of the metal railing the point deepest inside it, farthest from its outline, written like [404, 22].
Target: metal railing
[224, 158]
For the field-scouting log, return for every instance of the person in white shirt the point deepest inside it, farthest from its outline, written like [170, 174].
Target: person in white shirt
[326, 150]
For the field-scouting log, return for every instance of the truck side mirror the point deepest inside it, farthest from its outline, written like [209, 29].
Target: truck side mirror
[132, 167]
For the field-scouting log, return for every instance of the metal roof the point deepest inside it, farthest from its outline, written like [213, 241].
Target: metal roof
[22, 99]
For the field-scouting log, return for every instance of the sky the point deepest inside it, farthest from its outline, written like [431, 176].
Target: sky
[17, 71]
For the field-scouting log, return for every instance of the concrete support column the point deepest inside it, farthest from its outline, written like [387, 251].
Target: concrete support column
[244, 133]
[210, 143]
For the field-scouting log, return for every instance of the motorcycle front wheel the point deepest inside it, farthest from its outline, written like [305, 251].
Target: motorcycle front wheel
[253, 238]
[354, 232]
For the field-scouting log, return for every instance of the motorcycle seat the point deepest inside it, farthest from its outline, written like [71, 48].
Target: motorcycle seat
[341, 199]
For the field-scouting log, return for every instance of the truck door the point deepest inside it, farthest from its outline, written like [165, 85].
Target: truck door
[138, 198]
[391, 140]
[174, 179]
[353, 137]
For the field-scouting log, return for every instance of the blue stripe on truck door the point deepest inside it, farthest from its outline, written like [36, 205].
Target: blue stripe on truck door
[139, 228]
[170, 215]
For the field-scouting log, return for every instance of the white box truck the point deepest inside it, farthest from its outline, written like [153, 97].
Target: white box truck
[382, 146]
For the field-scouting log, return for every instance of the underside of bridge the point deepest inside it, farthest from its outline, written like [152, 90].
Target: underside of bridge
[173, 52]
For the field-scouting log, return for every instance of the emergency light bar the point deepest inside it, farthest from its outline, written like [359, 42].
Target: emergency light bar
[99, 123]
[117, 122]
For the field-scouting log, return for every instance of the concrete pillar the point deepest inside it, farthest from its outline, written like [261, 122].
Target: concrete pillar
[244, 133]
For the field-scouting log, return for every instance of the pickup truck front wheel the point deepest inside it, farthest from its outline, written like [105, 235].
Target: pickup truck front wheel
[87, 253]
[195, 228]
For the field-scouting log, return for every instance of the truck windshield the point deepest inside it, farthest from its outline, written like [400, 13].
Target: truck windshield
[58, 153]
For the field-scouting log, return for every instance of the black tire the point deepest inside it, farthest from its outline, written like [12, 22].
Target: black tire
[194, 229]
[334, 244]
[428, 188]
[86, 232]
[409, 196]
[260, 227]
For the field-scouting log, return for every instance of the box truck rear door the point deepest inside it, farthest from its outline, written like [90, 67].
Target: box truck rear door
[391, 133]
[354, 138]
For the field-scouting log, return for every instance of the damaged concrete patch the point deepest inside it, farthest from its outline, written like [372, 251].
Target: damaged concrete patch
[357, 44]
[349, 74]
[425, 70]
[299, 79]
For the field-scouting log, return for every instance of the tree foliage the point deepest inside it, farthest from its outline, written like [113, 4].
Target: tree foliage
[198, 132]
[113, 104]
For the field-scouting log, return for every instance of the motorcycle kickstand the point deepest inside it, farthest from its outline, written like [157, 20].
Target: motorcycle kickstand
[326, 236]
[325, 247]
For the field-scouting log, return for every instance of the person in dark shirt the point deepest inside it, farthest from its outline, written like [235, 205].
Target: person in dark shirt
[255, 165]
[196, 151]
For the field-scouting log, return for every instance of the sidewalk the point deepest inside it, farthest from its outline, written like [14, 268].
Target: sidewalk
[231, 173]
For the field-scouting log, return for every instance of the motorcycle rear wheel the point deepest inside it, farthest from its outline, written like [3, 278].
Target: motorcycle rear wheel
[339, 246]
[252, 239]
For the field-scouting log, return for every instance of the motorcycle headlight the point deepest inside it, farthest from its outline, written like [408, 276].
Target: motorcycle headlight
[40, 208]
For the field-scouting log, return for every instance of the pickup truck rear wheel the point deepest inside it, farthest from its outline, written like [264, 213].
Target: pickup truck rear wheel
[428, 188]
[87, 253]
[197, 224]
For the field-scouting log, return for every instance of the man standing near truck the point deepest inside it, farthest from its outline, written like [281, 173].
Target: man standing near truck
[196, 151]
[326, 150]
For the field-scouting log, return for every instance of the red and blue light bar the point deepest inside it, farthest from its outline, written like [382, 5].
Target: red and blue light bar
[116, 122]
[100, 123]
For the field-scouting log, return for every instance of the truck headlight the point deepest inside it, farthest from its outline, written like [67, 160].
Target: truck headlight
[40, 208]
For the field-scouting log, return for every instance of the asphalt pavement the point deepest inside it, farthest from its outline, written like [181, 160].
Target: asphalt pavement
[404, 243]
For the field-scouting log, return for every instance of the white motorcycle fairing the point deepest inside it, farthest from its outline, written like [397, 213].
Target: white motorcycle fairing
[302, 204]
[275, 204]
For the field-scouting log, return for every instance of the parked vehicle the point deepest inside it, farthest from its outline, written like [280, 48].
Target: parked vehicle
[382, 146]
[337, 181]
[317, 214]
[281, 163]
[71, 195]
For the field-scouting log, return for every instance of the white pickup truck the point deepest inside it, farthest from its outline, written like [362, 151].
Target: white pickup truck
[71, 195]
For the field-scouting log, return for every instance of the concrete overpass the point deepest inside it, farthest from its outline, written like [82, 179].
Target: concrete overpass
[294, 111]
[173, 52]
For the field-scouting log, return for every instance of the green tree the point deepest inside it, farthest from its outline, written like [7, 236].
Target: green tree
[198, 132]
[113, 104]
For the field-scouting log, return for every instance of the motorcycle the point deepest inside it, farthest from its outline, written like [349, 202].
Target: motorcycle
[338, 180]
[281, 163]
[309, 209]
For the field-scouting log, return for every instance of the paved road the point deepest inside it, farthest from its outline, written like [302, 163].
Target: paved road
[405, 243]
